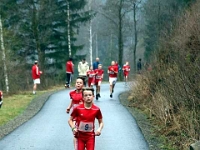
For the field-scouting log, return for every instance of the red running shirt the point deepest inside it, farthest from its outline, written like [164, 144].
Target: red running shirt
[35, 72]
[85, 119]
[99, 73]
[1, 94]
[76, 97]
[91, 74]
[69, 67]
[111, 70]
[126, 68]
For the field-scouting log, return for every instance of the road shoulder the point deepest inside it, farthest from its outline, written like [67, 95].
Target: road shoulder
[142, 121]
[33, 108]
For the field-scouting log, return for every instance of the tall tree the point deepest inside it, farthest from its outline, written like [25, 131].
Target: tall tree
[4, 56]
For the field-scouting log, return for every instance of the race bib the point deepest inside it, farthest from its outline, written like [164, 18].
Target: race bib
[91, 75]
[86, 126]
[98, 77]
[111, 72]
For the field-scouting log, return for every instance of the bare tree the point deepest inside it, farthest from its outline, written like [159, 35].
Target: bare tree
[4, 56]
[68, 29]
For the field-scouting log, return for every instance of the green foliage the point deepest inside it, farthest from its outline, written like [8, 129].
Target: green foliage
[160, 17]
[36, 29]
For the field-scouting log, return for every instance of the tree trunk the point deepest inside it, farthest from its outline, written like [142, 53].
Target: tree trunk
[135, 36]
[120, 38]
[68, 30]
[41, 52]
[90, 42]
[4, 56]
[97, 51]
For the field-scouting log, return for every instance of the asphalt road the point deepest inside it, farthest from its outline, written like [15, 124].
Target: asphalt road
[49, 130]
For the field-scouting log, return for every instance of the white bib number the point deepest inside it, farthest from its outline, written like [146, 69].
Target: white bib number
[98, 77]
[86, 126]
[111, 72]
[91, 75]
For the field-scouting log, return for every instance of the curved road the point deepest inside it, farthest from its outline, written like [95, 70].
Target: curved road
[49, 130]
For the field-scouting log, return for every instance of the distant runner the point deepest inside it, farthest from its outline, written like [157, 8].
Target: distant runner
[126, 69]
[85, 115]
[91, 77]
[112, 71]
[69, 72]
[98, 79]
[36, 76]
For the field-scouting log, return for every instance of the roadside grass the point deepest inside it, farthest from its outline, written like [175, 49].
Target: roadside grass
[15, 104]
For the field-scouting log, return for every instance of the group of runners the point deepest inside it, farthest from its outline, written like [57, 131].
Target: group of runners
[83, 110]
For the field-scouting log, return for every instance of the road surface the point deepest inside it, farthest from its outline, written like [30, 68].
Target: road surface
[49, 129]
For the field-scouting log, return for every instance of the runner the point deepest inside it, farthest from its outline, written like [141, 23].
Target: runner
[69, 72]
[1, 98]
[126, 69]
[76, 99]
[98, 79]
[36, 76]
[86, 114]
[112, 71]
[91, 77]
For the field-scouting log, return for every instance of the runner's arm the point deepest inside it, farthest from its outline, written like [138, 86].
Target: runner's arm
[69, 107]
[71, 124]
[98, 132]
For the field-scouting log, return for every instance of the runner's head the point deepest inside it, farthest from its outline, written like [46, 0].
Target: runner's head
[100, 66]
[127, 62]
[91, 67]
[112, 63]
[36, 62]
[88, 95]
[79, 83]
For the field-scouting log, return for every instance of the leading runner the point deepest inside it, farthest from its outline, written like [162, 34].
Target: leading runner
[85, 115]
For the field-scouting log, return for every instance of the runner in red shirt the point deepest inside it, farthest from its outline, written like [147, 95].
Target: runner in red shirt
[76, 97]
[36, 76]
[98, 79]
[112, 71]
[86, 114]
[91, 76]
[126, 69]
[1, 98]
[69, 72]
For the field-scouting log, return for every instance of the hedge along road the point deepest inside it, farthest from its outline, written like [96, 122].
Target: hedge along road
[49, 130]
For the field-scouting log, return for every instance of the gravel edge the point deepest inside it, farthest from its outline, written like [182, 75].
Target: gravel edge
[33, 108]
[144, 124]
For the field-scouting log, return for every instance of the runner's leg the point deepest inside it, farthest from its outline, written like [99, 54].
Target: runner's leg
[90, 143]
[80, 144]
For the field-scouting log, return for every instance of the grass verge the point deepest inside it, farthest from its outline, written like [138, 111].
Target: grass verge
[16, 104]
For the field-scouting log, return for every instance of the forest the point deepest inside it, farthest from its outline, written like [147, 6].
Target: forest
[163, 33]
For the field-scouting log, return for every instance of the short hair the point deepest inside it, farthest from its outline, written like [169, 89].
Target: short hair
[70, 58]
[99, 65]
[88, 89]
[80, 78]
[83, 59]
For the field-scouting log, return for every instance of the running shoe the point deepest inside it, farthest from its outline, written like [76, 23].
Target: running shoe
[110, 95]
[97, 97]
